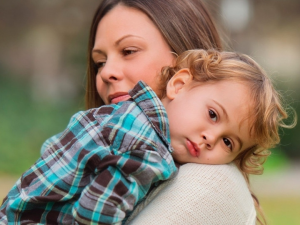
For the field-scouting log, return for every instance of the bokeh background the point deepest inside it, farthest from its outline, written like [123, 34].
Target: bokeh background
[43, 56]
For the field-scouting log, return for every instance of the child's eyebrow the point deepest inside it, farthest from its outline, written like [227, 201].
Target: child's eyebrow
[222, 108]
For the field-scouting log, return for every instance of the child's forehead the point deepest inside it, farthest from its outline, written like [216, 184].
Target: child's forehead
[215, 80]
[231, 87]
[232, 97]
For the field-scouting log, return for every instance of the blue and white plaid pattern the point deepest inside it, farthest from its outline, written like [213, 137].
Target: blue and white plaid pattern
[99, 168]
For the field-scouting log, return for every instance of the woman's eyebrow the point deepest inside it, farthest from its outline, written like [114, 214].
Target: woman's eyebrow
[97, 51]
[125, 37]
[116, 43]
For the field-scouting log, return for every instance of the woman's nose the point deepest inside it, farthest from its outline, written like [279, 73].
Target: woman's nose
[111, 72]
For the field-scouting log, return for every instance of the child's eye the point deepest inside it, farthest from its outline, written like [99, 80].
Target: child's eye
[128, 51]
[227, 143]
[213, 115]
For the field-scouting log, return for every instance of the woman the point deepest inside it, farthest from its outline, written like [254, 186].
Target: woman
[131, 40]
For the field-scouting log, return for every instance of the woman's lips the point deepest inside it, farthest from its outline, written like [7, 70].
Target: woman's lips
[192, 148]
[118, 97]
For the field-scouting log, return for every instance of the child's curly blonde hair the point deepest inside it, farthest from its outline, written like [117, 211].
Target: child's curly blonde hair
[268, 112]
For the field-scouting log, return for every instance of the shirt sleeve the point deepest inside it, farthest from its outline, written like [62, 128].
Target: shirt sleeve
[200, 194]
[117, 189]
[49, 142]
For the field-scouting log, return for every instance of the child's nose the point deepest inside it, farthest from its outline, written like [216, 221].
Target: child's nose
[209, 141]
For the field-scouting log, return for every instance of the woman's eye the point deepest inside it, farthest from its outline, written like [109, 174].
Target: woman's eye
[227, 143]
[99, 65]
[128, 51]
[213, 115]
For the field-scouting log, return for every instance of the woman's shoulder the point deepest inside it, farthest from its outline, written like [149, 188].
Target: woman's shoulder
[211, 174]
[212, 183]
[201, 194]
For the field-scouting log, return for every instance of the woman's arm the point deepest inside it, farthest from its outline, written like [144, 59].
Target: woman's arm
[201, 194]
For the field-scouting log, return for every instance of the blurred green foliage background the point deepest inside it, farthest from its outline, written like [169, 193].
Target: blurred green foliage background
[42, 77]
[25, 124]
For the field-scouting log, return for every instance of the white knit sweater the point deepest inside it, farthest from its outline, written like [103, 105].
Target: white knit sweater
[199, 194]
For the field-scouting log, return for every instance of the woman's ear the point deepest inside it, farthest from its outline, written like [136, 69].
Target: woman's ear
[178, 82]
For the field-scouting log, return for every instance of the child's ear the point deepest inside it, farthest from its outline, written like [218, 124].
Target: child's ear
[178, 82]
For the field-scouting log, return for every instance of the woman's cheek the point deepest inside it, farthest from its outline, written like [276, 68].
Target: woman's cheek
[100, 88]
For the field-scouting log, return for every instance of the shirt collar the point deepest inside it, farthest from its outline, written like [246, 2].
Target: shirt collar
[153, 108]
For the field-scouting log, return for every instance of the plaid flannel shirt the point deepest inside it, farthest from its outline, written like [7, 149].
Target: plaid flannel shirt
[99, 168]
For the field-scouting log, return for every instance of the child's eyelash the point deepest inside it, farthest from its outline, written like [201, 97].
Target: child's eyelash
[229, 142]
[213, 115]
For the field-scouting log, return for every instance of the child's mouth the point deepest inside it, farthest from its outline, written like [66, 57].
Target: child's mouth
[192, 148]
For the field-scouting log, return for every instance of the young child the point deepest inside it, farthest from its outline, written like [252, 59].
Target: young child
[215, 108]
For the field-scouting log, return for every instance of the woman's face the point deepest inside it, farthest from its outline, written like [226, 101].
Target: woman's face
[128, 48]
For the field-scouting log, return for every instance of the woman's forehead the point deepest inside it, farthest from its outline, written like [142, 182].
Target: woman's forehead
[128, 17]
[123, 21]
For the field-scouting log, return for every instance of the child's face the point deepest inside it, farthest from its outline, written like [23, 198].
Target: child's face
[208, 122]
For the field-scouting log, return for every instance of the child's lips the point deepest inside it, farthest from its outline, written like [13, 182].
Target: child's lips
[193, 148]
